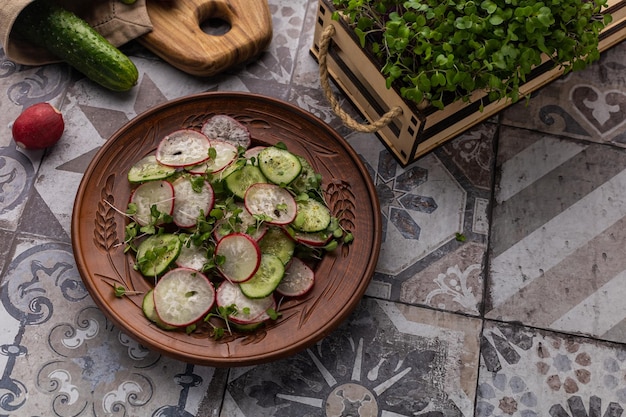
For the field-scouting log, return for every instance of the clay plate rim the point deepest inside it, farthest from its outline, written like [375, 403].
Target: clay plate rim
[97, 229]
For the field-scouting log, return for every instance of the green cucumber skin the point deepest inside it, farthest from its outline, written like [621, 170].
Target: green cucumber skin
[71, 39]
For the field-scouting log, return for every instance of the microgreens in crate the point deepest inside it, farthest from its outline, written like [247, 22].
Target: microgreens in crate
[436, 52]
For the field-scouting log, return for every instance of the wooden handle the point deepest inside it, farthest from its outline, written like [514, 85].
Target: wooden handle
[178, 38]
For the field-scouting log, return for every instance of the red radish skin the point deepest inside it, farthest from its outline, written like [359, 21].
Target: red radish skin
[38, 127]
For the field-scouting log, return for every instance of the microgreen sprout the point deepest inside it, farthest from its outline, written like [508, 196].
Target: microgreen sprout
[118, 289]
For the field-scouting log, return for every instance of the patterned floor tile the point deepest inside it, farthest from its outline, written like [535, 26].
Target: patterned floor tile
[436, 227]
[307, 70]
[541, 248]
[587, 105]
[525, 372]
[558, 226]
[83, 364]
[37, 219]
[387, 360]
[17, 174]
[6, 241]
[313, 100]
[278, 62]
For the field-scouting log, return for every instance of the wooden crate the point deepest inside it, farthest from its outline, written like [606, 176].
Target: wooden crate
[418, 131]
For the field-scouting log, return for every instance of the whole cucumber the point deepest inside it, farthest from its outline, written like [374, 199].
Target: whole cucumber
[72, 40]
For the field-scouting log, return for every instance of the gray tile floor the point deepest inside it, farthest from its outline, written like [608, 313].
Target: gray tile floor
[524, 317]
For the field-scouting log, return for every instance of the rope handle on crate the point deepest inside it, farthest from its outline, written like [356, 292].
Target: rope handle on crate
[384, 120]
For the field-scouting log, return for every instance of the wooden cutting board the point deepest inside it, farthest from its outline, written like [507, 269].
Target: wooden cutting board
[177, 36]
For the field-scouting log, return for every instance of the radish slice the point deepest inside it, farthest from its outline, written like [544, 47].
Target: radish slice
[183, 148]
[298, 279]
[154, 193]
[272, 202]
[242, 257]
[227, 129]
[189, 204]
[225, 154]
[192, 256]
[183, 296]
[247, 310]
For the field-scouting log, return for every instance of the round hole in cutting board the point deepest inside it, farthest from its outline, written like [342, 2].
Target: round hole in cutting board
[215, 26]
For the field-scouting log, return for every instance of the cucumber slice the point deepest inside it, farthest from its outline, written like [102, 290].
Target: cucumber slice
[313, 216]
[266, 278]
[275, 204]
[154, 193]
[190, 203]
[157, 253]
[298, 279]
[315, 239]
[277, 242]
[183, 148]
[241, 254]
[147, 306]
[239, 181]
[248, 310]
[149, 169]
[183, 296]
[279, 165]
[307, 180]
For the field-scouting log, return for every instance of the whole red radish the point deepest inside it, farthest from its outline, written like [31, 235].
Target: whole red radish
[39, 126]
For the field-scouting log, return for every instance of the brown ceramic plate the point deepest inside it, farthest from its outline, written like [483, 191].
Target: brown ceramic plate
[341, 277]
